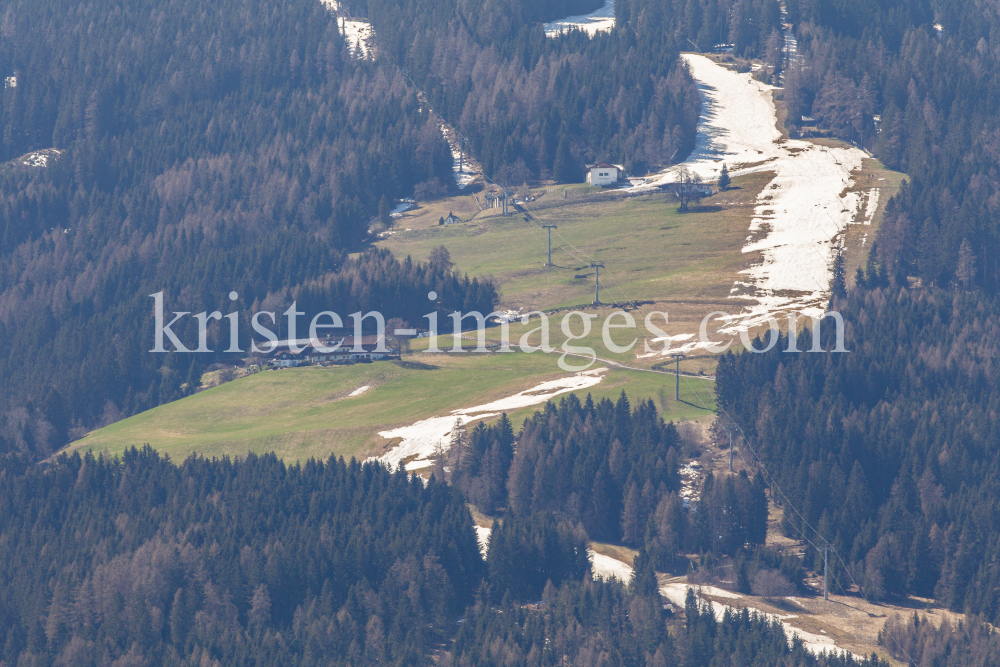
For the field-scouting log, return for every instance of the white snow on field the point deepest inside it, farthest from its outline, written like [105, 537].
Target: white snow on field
[677, 594]
[800, 213]
[483, 535]
[402, 207]
[872, 205]
[602, 20]
[359, 391]
[359, 35]
[681, 343]
[419, 440]
[36, 160]
[606, 567]
[40, 158]
[464, 168]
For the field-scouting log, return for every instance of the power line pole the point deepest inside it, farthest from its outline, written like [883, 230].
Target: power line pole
[731, 428]
[826, 570]
[549, 228]
[597, 285]
[677, 374]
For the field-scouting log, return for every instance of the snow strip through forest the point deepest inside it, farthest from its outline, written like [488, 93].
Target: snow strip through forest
[357, 34]
[799, 214]
[677, 593]
[606, 567]
[602, 20]
[419, 440]
[483, 535]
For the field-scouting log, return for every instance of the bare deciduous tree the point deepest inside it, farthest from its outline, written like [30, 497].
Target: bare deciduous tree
[771, 584]
[688, 188]
[396, 343]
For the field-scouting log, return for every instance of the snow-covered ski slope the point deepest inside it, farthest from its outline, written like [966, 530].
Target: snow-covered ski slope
[602, 20]
[799, 214]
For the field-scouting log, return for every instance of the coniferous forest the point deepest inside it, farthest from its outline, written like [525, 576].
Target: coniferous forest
[889, 453]
[535, 107]
[139, 561]
[201, 153]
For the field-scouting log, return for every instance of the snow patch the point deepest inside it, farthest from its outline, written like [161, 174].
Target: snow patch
[798, 216]
[359, 391]
[483, 535]
[420, 439]
[606, 567]
[40, 158]
[402, 207]
[508, 316]
[602, 20]
[677, 594]
[464, 168]
[359, 35]
[540, 393]
[872, 205]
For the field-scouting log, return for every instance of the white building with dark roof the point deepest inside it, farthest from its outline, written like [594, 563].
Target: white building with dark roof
[604, 174]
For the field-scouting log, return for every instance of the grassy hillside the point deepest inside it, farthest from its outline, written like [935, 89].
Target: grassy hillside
[685, 264]
[308, 412]
[651, 251]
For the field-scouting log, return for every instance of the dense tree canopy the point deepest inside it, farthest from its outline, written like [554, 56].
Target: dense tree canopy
[532, 106]
[888, 452]
[205, 147]
[245, 562]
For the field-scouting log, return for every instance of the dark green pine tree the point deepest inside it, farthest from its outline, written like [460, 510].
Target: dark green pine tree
[565, 168]
[606, 512]
[838, 286]
[643, 580]
[385, 212]
[724, 179]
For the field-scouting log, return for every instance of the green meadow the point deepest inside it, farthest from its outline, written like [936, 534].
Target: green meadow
[650, 251]
[309, 412]
[683, 264]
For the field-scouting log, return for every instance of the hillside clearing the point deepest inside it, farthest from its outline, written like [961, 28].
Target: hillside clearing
[309, 412]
